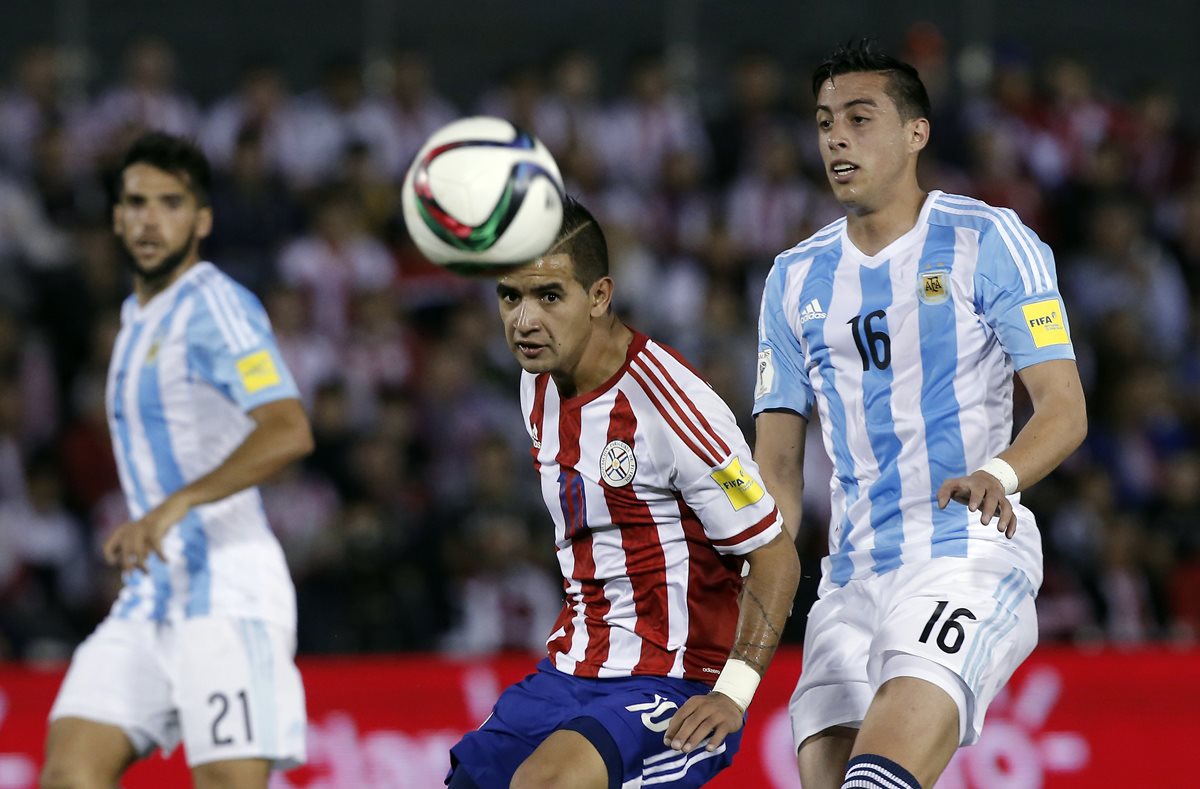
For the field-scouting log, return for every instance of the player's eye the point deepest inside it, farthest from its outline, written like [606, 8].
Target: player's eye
[551, 297]
[860, 119]
[824, 123]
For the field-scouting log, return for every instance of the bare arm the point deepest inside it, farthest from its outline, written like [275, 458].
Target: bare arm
[766, 602]
[769, 589]
[767, 597]
[1057, 427]
[281, 435]
[779, 452]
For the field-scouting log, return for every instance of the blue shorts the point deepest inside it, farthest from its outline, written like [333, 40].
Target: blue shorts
[624, 717]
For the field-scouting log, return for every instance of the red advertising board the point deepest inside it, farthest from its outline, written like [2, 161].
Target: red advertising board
[1068, 719]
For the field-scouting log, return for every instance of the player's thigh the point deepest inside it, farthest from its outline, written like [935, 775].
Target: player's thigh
[961, 625]
[118, 679]
[521, 719]
[914, 723]
[565, 758]
[627, 727]
[822, 757]
[82, 753]
[239, 693]
[834, 688]
[232, 774]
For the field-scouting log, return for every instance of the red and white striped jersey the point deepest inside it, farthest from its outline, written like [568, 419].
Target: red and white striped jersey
[654, 497]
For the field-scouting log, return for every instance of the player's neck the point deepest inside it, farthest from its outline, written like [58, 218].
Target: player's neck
[146, 288]
[604, 355]
[871, 230]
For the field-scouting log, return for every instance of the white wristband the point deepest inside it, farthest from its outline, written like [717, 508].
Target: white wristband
[1003, 472]
[738, 681]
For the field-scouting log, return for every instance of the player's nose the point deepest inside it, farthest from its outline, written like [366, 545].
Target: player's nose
[526, 317]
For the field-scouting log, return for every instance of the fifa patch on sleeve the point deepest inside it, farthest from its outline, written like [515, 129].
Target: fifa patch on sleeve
[1045, 322]
[740, 488]
[257, 371]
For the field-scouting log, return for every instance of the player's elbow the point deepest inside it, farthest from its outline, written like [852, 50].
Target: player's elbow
[1080, 428]
[1074, 420]
[301, 444]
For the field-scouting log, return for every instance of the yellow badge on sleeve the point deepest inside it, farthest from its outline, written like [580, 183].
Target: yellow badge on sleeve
[257, 371]
[740, 488]
[1045, 322]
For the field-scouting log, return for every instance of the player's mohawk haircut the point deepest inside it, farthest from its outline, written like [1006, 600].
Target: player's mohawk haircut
[864, 56]
[581, 238]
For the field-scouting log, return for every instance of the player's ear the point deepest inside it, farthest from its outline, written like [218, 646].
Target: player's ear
[918, 134]
[600, 297]
[204, 221]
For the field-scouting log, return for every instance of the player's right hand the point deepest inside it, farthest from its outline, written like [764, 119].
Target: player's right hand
[131, 543]
[703, 720]
[982, 493]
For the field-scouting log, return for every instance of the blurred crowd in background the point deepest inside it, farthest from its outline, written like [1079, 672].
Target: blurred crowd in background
[417, 523]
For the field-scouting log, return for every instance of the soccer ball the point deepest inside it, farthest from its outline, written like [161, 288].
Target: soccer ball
[481, 192]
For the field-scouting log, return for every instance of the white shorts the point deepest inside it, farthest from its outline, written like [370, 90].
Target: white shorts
[961, 624]
[228, 688]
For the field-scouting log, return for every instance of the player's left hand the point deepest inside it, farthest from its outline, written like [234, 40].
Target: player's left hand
[131, 544]
[703, 720]
[982, 493]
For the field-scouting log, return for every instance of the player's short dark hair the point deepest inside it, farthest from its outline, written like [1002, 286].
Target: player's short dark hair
[581, 238]
[904, 88]
[175, 155]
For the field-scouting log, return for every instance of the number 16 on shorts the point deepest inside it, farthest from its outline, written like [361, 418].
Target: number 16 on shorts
[980, 637]
[951, 635]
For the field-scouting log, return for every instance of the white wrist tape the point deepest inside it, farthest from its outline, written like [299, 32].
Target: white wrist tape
[738, 681]
[1003, 472]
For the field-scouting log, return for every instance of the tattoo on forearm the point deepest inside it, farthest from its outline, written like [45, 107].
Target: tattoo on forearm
[766, 619]
[757, 647]
[759, 666]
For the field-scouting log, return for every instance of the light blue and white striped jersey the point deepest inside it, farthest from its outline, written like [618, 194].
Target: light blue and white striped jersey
[186, 368]
[909, 356]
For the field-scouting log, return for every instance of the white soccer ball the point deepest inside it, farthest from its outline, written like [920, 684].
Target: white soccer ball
[482, 192]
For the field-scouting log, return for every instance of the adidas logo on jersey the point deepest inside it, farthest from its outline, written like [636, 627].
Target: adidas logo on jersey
[811, 312]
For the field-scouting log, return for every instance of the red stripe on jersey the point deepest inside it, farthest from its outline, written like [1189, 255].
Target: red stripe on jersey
[596, 605]
[640, 376]
[757, 528]
[714, 435]
[537, 413]
[566, 623]
[645, 562]
[714, 584]
[682, 408]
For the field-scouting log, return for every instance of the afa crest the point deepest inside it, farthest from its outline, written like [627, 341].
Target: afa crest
[934, 286]
[152, 353]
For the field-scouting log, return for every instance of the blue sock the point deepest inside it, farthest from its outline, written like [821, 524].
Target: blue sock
[868, 771]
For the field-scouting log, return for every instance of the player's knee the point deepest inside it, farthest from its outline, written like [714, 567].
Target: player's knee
[538, 774]
[61, 774]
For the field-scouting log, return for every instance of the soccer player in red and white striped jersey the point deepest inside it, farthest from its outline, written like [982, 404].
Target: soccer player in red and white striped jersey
[657, 507]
